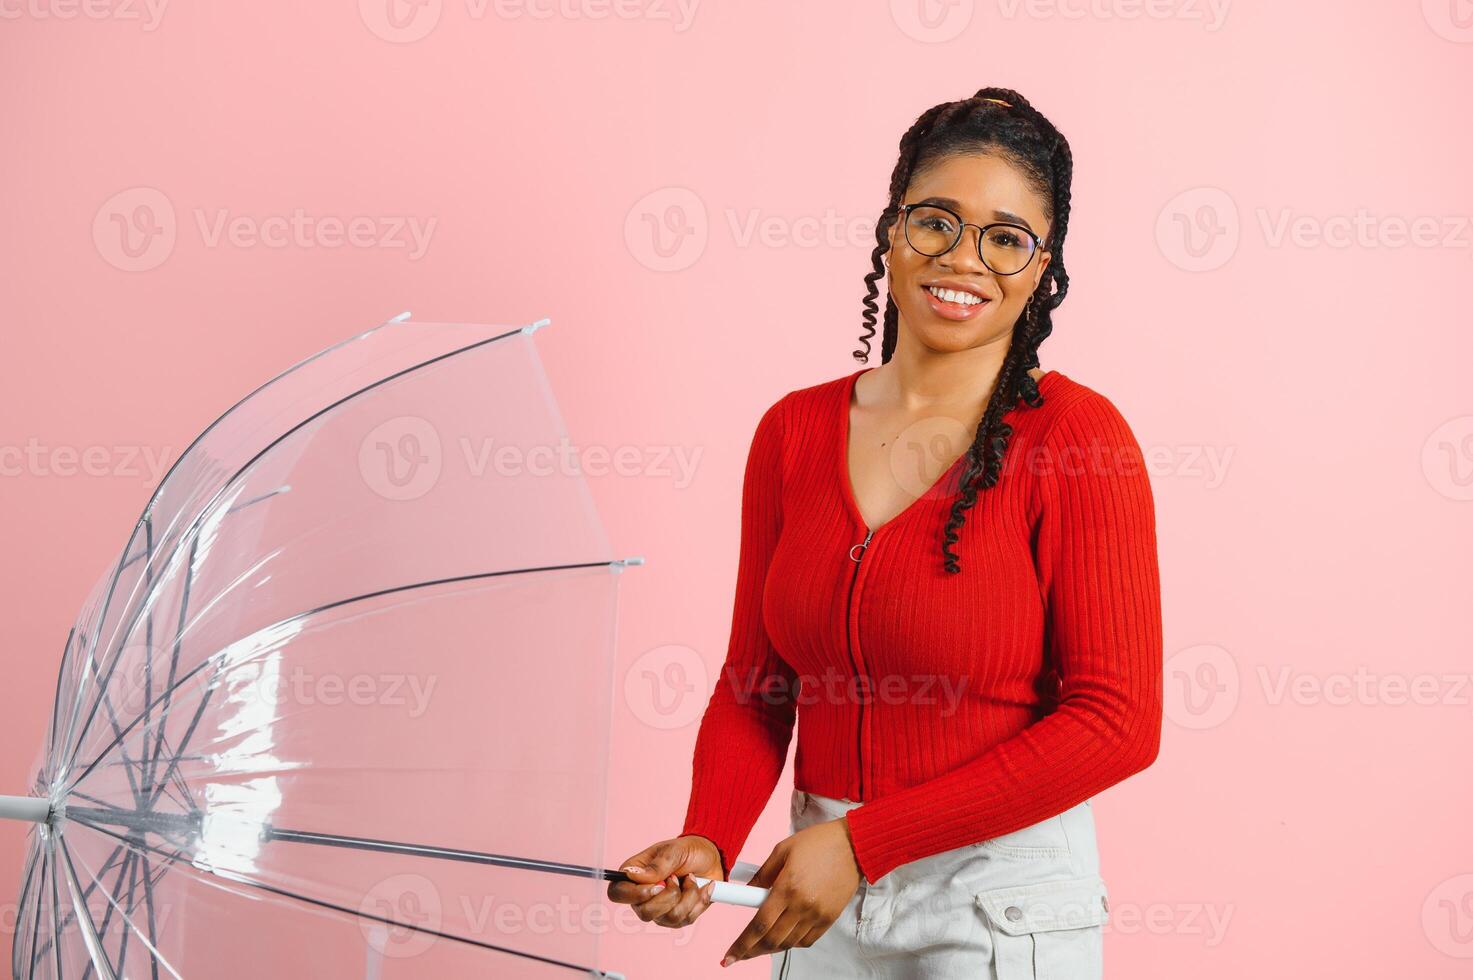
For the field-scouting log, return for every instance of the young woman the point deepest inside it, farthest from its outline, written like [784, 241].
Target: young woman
[968, 635]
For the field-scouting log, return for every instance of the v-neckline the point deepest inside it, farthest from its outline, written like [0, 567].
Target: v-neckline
[846, 482]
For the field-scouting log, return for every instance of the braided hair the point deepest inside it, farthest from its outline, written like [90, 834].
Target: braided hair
[1022, 135]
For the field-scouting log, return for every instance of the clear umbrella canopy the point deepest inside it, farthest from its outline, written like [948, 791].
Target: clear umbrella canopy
[342, 704]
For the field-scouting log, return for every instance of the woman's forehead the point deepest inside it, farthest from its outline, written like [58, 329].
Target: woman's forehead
[979, 187]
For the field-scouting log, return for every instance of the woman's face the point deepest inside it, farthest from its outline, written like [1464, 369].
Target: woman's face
[982, 188]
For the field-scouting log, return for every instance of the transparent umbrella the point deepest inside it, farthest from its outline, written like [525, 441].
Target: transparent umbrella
[341, 707]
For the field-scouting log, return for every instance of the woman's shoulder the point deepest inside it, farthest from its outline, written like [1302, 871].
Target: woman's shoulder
[1073, 410]
[804, 407]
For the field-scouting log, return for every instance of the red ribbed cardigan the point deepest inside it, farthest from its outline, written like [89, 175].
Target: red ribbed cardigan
[955, 707]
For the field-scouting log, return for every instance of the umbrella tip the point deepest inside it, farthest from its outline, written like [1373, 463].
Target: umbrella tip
[400, 318]
[622, 562]
[529, 328]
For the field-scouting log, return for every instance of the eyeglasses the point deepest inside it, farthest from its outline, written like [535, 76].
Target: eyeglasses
[1004, 248]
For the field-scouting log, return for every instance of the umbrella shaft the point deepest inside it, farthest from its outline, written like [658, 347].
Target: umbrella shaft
[29, 808]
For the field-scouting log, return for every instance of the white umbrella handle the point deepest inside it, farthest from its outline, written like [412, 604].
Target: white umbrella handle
[729, 893]
[733, 892]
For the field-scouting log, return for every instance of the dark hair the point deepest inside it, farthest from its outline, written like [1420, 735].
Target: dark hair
[1025, 138]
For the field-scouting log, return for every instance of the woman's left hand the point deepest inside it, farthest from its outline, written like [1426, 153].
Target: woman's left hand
[810, 877]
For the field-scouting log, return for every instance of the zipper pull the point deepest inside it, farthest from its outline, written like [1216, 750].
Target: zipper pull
[861, 546]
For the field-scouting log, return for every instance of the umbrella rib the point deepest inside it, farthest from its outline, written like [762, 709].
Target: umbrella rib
[193, 534]
[125, 870]
[90, 939]
[148, 903]
[443, 853]
[56, 701]
[153, 499]
[132, 890]
[18, 941]
[66, 919]
[356, 913]
[55, 911]
[157, 956]
[327, 607]
[36, 922]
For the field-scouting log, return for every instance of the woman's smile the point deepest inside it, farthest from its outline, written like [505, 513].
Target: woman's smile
[952, 299]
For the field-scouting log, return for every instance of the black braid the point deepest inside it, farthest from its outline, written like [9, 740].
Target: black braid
[1023, 135]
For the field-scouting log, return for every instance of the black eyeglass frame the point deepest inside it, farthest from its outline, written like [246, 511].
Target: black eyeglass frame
[962, 226]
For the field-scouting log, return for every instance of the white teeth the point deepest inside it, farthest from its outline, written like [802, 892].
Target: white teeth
[955, 296]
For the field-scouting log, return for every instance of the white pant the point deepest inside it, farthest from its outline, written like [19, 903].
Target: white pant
[1029, 905]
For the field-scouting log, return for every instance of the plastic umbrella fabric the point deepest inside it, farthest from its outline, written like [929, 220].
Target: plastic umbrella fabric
[341, 706]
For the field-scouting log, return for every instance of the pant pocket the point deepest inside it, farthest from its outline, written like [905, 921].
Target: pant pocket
[1048, 930]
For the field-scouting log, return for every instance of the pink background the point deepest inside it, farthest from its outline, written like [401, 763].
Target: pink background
[1270, 251]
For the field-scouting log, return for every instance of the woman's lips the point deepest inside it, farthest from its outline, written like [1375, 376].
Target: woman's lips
[953, 311]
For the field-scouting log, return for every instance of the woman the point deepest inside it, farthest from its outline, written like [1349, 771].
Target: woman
[972, 651]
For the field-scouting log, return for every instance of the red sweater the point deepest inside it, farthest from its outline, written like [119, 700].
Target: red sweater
[955, 707]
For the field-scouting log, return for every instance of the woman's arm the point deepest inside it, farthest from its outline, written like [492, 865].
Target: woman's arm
[744, 733]
[1098, 574]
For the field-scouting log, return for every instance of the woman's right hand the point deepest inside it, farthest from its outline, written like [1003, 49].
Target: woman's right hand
[660, 886]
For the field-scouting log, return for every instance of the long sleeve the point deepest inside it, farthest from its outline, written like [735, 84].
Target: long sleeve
[1096, 559]
[748, 722]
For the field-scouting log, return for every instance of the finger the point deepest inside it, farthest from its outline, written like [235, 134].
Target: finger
[772, 940]
[813, 935]
[767, 874]
[686, 908]
[652, 908]
[654, 863]
[754, 938]
[630, 892]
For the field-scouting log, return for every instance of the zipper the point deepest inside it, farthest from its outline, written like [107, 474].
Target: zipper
[856, 554]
